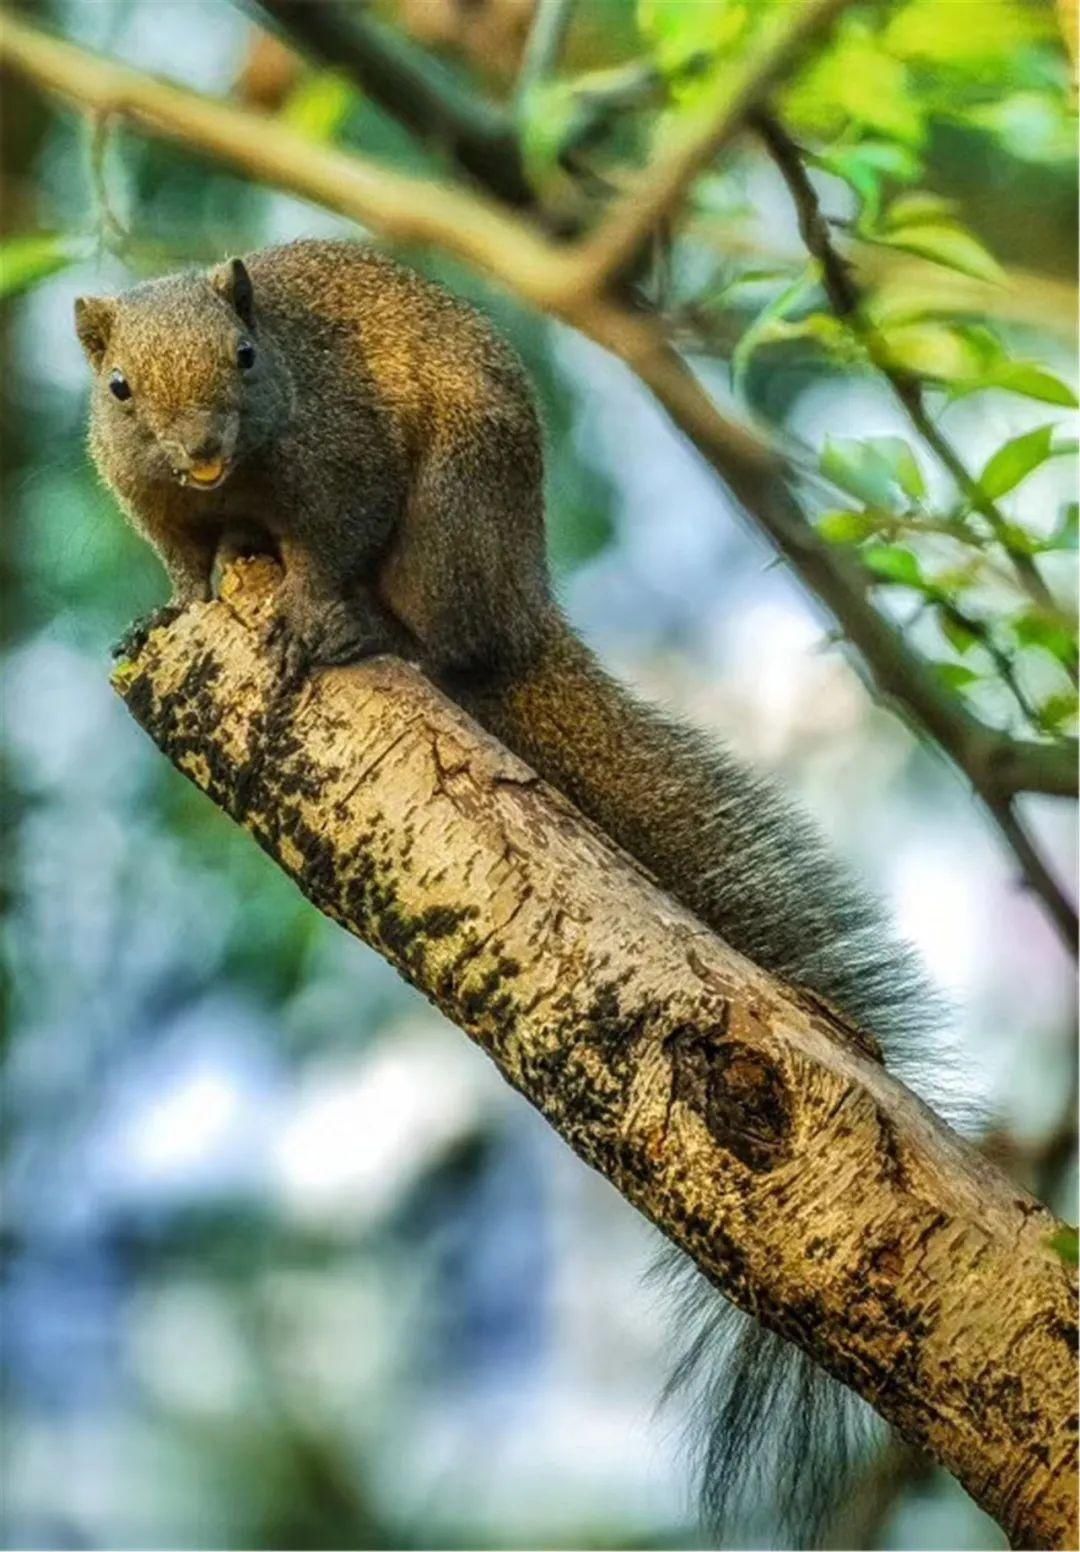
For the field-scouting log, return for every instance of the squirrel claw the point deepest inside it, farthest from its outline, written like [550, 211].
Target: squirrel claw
[292, 658]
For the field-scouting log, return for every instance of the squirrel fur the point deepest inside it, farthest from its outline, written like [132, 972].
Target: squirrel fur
[321, 401]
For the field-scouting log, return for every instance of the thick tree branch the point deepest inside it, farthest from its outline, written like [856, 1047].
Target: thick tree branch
[749, 1123]
[549, 277]
[1021, 765]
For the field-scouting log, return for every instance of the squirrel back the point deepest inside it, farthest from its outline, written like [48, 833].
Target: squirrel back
[375, 433]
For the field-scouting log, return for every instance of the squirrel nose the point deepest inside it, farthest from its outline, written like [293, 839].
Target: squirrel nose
[207, 449]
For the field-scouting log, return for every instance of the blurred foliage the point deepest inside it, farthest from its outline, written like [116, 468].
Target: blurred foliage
[943, 150]
[876, 115]
[1065, 1242]
[25, 261]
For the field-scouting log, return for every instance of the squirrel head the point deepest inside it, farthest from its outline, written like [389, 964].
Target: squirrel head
[185, 384]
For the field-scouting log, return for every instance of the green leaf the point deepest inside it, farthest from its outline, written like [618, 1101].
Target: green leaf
[825, 329]
[1032, 126]
[1040, 630]
[874, 90]
[1066, 1242]
[847, 527]
[1066, 535]
[892, 563]
[1016, 460]
[944, 243]
[24, 261]
[961, 37]
[1022, 377]
[764, 325]
[901, 460]
[1058, 712]
[866, 165]
[858, 468]
[855, 84]
[688, 37]
[918, 208]
[319, 104]
[551, 116]
[955, 676]
[870, 159]
[936, 350]
[872, 467]
[745, 279]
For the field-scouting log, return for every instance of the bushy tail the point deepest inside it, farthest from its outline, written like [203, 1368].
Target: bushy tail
[721, 839]
[775, 1441]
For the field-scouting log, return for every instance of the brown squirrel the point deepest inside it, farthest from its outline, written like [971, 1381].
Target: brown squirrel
[372, 430]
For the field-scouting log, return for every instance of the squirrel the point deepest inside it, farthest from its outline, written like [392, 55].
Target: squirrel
[374, 431]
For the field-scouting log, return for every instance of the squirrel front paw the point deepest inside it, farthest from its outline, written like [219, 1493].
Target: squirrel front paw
[305, 635]
[289, 651]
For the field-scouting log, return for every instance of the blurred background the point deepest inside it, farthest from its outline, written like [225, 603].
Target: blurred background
[285, 1263]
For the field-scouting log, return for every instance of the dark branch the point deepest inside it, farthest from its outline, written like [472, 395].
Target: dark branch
[412, 88]
[846, 300]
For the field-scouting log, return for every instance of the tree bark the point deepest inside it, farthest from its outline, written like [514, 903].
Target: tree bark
[747, 1121]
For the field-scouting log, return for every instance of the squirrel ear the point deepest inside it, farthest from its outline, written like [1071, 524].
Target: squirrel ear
[93, 324]
[232, 281]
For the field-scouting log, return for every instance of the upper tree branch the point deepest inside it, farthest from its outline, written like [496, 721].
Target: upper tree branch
[626, 228]
[547, 35]
[752, 1126]
[406, 83]
[549, 277]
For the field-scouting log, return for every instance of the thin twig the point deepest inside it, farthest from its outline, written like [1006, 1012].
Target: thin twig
[544, 45]
[408, 84]
[847, 303]
[626, 229]
[114, 234]
[1035, 875]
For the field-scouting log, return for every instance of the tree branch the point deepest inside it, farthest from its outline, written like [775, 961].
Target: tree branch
[544, 45]
[1019, 765]
[745, 1120]
[549, 277]
[847, 303]
[627, 228]
[758, 480]
[413, 88]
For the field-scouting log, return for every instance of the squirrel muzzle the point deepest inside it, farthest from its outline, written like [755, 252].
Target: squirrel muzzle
[201, 449]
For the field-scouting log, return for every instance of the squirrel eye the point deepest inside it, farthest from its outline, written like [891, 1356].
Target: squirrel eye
[245, 355]
[119, 385]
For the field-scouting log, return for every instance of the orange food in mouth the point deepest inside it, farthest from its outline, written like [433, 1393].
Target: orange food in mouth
[207, 473]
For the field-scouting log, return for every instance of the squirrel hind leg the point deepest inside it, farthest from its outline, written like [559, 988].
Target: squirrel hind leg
[474, 562]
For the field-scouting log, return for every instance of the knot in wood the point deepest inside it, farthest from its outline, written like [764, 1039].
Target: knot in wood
[741, 1095]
